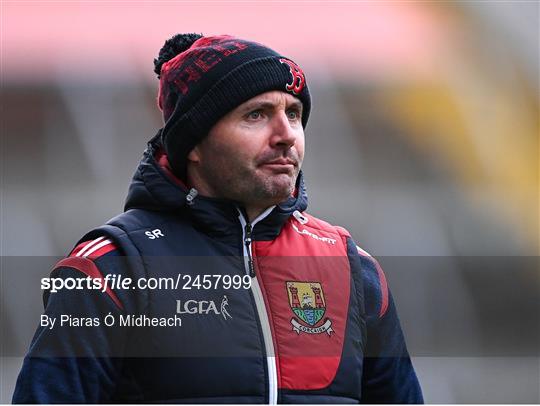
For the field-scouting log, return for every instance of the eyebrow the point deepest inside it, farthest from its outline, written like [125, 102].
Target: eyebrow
[269, 105]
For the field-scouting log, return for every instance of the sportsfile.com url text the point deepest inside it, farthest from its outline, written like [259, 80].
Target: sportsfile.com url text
[182, 281]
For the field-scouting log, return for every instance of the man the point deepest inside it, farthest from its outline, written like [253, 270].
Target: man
[276, 305]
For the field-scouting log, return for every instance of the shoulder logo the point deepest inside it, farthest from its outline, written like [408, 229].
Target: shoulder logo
[298, 78]
[152, 235]
[314, 236]
[308, 304]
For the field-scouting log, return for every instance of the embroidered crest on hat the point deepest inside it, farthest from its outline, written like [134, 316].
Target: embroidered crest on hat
[298, 78]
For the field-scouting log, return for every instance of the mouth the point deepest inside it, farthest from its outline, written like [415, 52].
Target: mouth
[280, 166]
[282, 162]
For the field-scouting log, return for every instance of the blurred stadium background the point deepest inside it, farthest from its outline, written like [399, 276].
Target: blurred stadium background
[423, 142]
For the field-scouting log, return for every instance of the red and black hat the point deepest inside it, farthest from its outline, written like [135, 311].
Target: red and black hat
[203, 78]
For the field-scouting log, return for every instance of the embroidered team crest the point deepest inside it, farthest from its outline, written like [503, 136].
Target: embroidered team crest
[298, 78]
[308, 304]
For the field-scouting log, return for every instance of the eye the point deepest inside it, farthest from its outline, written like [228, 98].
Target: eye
[254, 115]
[293, 114]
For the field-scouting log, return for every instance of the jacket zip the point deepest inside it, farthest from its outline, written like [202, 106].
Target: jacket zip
[247, 230]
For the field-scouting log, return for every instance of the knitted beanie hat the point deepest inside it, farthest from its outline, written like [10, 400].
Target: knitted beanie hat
[204, 78]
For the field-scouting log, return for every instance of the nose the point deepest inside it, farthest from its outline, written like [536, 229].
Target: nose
[284, 133]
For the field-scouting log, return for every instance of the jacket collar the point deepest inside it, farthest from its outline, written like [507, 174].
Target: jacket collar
[154, 187]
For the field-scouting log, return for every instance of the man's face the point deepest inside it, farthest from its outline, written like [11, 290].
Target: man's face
[254, 153]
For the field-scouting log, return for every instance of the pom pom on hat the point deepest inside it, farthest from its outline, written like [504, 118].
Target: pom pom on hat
[172, 47]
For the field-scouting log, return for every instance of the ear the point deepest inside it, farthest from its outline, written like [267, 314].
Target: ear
[194, 155]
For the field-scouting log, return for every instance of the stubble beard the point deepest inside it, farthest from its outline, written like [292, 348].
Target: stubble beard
[252, 186]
